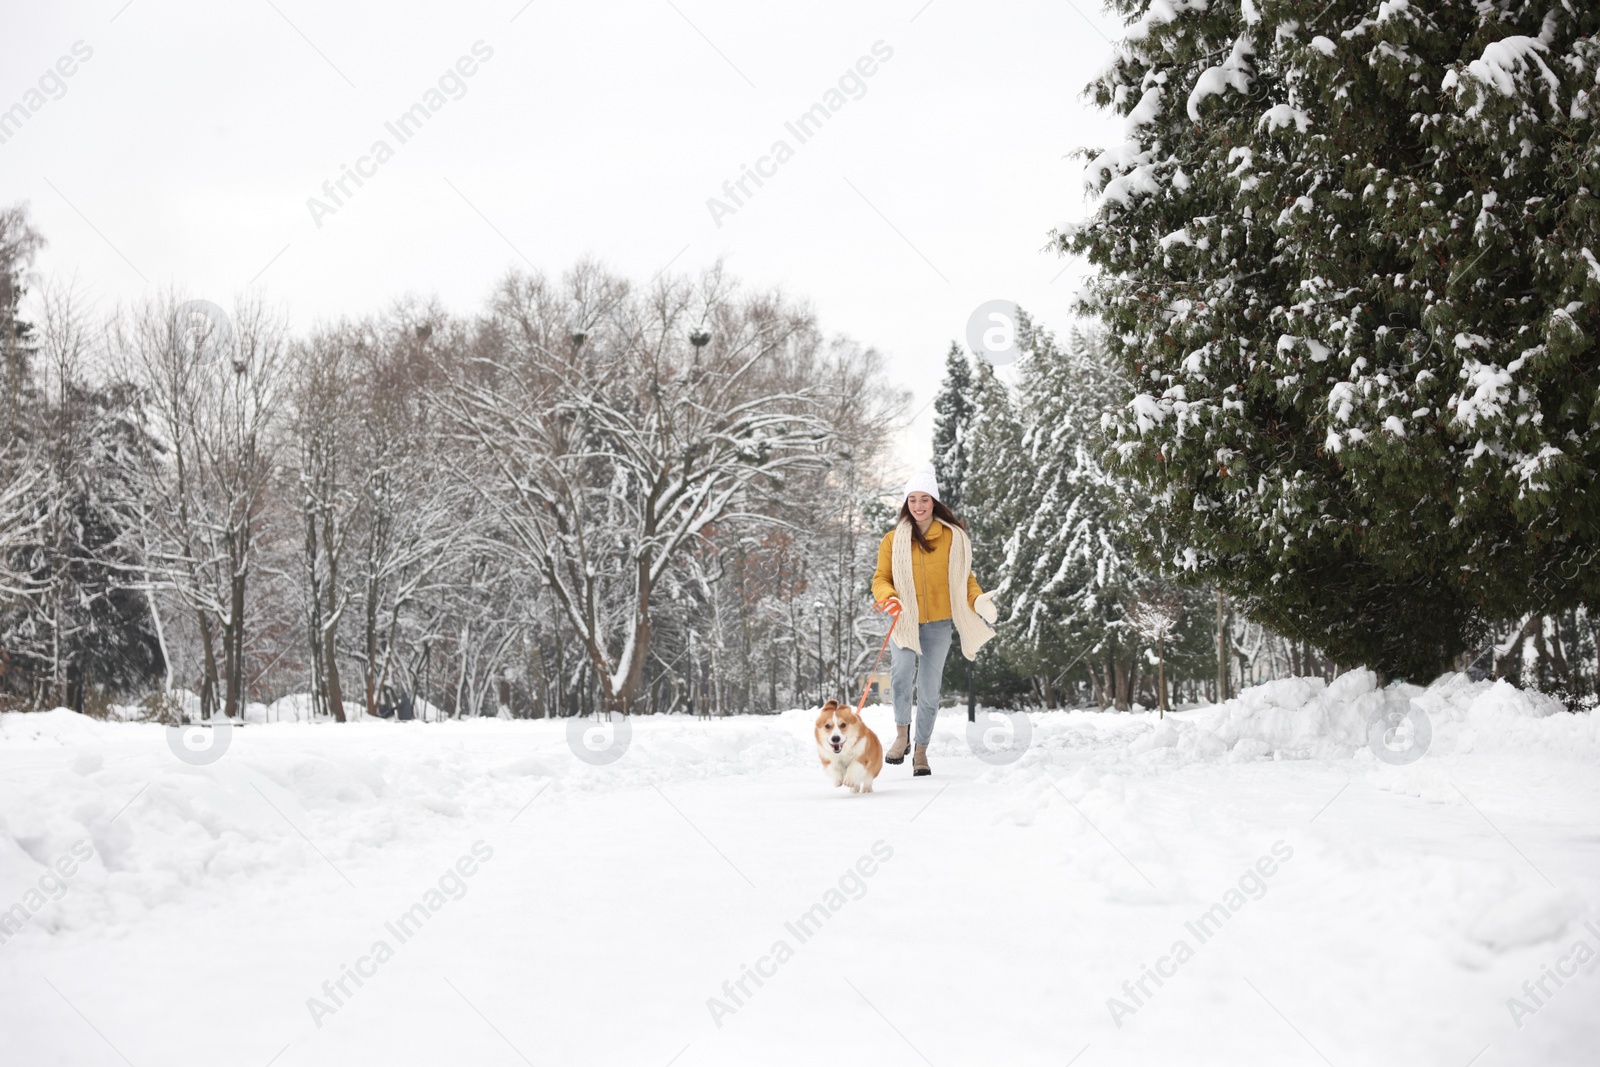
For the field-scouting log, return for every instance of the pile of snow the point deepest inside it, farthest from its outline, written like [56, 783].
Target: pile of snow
[1305, 718]
[1297, 719]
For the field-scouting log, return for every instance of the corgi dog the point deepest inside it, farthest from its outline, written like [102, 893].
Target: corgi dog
[849, 750]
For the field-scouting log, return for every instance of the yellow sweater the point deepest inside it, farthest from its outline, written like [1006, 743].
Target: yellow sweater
[930, 571]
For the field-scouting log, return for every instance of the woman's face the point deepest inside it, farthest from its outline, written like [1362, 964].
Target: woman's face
[921, 507]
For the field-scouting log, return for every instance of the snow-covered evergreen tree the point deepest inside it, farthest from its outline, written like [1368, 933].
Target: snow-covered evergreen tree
[1053, 529]
[994, 509]
[1348, 256]
[21, 477]
[952, 427]
[93, 630]
[75, 629]
[1073, 572]
[1070, 569]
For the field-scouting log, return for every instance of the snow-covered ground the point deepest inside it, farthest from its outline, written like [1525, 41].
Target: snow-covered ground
[1240, 885]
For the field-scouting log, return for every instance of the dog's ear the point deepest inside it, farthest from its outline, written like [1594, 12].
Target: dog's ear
[830, 705]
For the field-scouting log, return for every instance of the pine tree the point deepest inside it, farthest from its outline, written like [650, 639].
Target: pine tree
[19, 243]
[21, 481]
[994, 508]
[96, 632]
[1348, 259]
[952, 426]
[73, 627]
[1072, 569]
[1075, 577]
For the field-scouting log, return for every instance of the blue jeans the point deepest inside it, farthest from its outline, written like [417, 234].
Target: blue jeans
[906, 667]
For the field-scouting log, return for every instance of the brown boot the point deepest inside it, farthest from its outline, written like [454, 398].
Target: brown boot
[919, 762]
[902, 741]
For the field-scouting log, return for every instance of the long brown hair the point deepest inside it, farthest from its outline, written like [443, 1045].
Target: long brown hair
[941, 511]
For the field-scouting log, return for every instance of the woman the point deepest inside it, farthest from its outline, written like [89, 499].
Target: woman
[921, 564]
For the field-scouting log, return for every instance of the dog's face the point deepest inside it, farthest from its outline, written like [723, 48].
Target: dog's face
[838, 727]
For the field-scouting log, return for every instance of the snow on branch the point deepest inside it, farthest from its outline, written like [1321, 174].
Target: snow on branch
[1232, 73]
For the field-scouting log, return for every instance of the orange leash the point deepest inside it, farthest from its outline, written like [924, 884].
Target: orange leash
[893, 610]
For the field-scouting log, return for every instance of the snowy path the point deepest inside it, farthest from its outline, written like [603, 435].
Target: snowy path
[1005, 905]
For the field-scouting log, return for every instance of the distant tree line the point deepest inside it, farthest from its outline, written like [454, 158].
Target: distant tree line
[590, 496]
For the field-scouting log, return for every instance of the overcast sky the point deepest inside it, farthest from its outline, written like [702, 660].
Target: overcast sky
[185, 144]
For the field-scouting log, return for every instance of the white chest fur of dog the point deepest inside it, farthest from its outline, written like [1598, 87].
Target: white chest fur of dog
[850, 752]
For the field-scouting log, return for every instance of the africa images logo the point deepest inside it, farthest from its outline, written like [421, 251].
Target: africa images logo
[992, 332]
[1397, 718]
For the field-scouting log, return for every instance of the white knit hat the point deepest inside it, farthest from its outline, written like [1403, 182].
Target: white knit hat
[923, 480]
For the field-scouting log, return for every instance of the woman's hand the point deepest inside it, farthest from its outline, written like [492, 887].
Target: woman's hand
[890, 604]
[984, 606]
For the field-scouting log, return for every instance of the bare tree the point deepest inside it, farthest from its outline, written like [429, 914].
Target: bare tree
[211, 389]
[416, 517]
[608, 429]
[1154, 616]
[322, 424]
